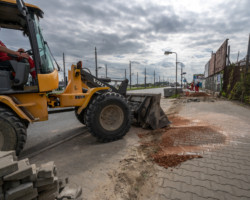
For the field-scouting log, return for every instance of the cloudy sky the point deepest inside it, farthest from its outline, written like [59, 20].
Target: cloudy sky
[140, 31]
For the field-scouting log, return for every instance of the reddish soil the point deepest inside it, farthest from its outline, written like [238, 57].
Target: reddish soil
[171, 146]
[198, 94]
[172, 160]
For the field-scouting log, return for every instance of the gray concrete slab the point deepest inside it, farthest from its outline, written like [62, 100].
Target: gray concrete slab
[19, 191]
[8, 153]
[44, 181]
[24, 170]
[30, 196]
[7, 167]
[47, 170]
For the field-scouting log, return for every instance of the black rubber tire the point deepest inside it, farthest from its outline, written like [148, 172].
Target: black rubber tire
[93, 117]
[81, 117]
[13, 131]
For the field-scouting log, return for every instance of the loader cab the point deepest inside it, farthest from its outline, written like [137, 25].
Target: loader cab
[15, 78]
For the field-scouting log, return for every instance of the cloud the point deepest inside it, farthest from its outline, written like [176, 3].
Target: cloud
[142, 30]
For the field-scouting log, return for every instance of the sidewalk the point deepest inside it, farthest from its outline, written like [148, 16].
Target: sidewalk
[224, 170]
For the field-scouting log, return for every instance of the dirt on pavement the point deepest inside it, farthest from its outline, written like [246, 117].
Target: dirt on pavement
[133, 179]
[127, 169]
[167, 147]
[198, 94]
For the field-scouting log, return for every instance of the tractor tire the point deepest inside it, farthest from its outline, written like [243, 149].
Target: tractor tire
[108, 117]
[12, 131]
[81, 117]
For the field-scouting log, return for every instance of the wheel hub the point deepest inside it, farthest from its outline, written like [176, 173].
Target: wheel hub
[111, 117]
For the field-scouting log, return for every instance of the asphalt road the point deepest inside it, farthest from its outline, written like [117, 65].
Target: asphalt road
[59, 127]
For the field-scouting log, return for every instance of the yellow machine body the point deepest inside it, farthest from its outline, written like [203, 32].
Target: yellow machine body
[32, 107]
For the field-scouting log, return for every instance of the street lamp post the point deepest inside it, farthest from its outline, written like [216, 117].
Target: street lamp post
[106, 70]
[181, 76]
[130, 80]
[167, 53]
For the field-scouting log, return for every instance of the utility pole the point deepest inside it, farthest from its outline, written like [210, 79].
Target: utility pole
[176, 75]
[137, 79]
[130, 80]
[248, 54]
[106, 67]
[238, 56]
[64, 75]
[159, 80]
[145, 78]
[181, 76]
[96, 71]
[154, 77]
[228, 55]
[125, 74]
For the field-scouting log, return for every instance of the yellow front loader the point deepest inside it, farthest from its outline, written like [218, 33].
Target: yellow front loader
[24, 99]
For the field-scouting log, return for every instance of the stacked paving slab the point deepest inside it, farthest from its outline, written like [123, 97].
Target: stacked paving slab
[21, 181]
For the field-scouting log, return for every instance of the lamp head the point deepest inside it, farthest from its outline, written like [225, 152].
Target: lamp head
[167, 53]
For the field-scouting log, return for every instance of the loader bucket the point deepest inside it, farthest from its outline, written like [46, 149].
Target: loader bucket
[147, 111]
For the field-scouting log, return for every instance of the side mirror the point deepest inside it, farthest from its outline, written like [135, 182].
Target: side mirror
[21, 7]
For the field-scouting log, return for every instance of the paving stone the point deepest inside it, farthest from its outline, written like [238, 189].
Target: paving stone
[50, 186]
[47, 170]
[166, 175]
[7, 167]
[8, 153]
[221, 187]
[198, 182]
[181, 195]
[191, 173]
[7, 158]
[207, 193]
[209, 177]
[241, 192]
[30, 196]
[19, 191]
[186, 179]
[216, 173]
[33, 177]
[24, 170]
[51, 197]
[11, 184]
[47, 194]
[44, 181]
[172, 184]
[191, 188]
[234, 182]
[237, 177]
[166, 191]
